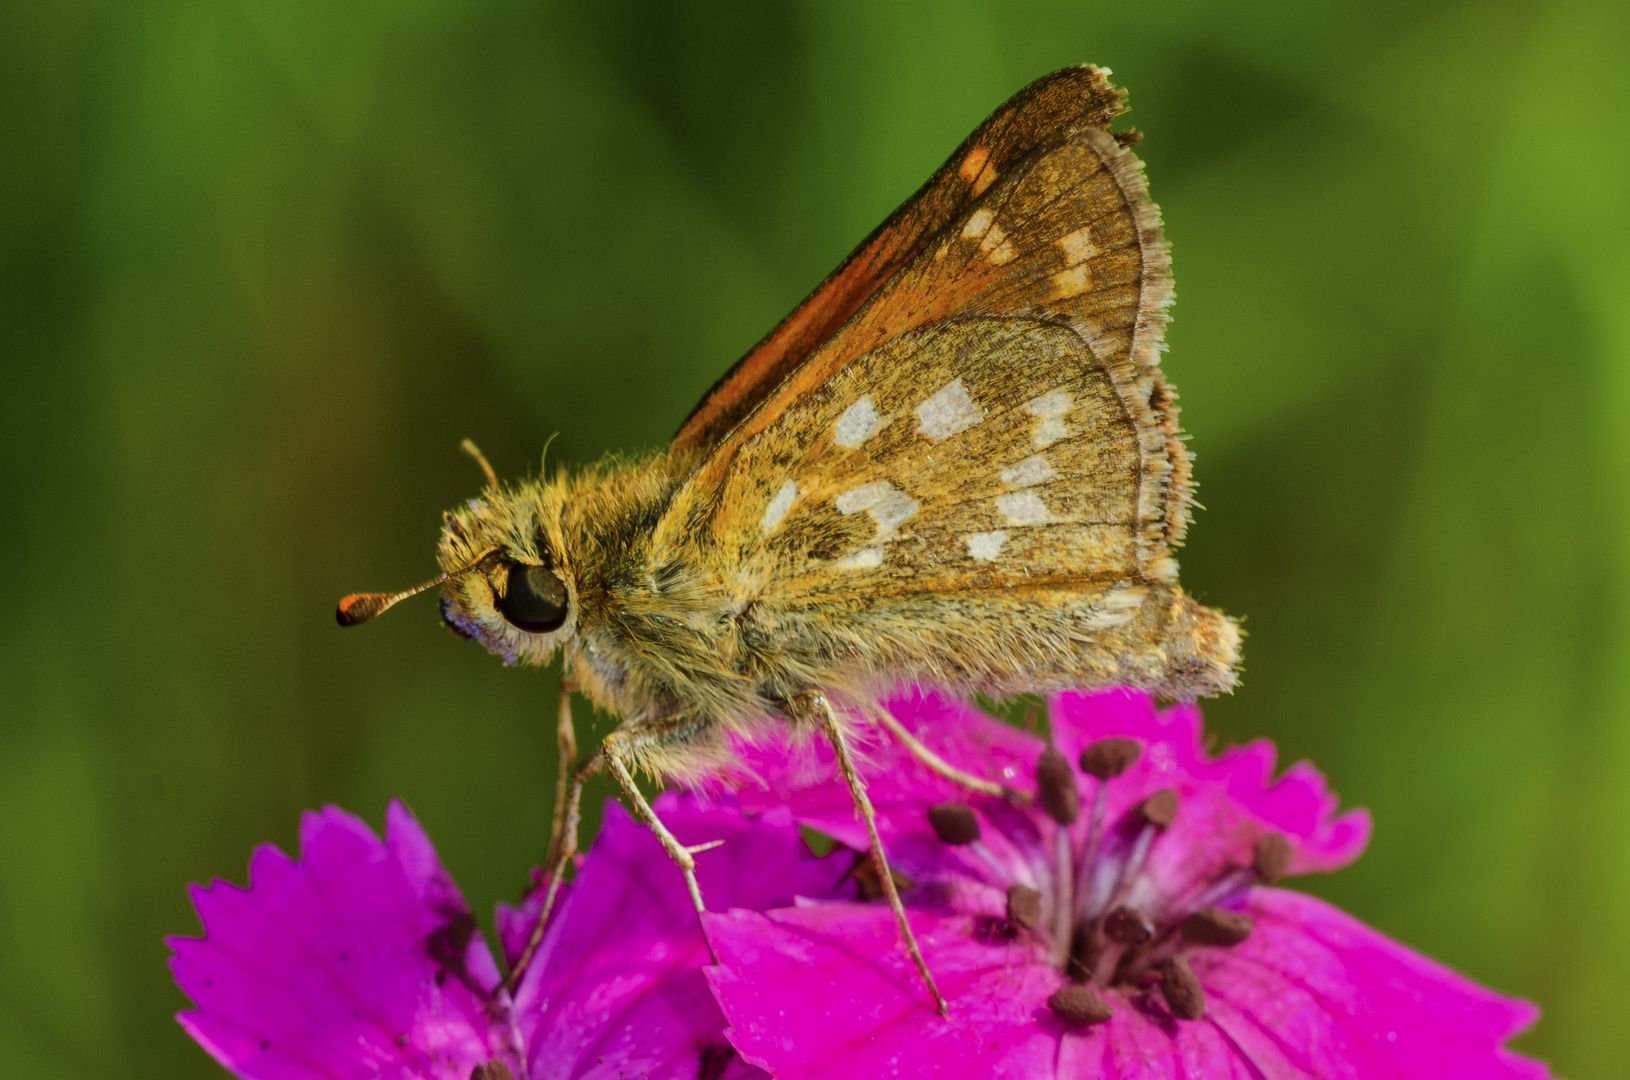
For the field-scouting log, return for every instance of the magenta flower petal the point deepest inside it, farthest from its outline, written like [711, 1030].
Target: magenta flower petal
[359, 960]
[1313, 975]
[618, 977]
[515, 922]
[824, 991]
[1178, 843]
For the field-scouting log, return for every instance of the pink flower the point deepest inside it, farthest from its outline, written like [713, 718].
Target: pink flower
[1121, 927]
[361, 959]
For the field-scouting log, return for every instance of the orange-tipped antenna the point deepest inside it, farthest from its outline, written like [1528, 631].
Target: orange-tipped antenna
[469, 447]
[360, 607]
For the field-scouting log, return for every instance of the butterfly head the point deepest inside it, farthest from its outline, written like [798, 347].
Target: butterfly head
[508, 583]
[505, 581]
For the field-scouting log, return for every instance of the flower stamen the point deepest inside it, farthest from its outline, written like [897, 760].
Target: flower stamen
[1061, 800]
[1064, 908]
[1271, 857]
[1055, 787]
[1128, 926]
[1023, 906]
[953, 823]
[1094, 936]
[1181, 989]
[1103, 759]
[1215, 926]
[1157, 811]
[1108, 758]
[1079, 1006]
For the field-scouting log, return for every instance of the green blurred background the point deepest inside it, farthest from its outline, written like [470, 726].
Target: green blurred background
[263, 264]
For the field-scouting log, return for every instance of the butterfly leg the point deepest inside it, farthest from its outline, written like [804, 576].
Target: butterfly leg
[563, 846]
[618, 748]
[817, 703]
[566, 757]
[943, 767]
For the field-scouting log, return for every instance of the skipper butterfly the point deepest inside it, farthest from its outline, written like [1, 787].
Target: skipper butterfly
[955, 464]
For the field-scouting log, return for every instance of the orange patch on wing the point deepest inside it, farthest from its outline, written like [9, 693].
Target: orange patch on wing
[974, 163]
[978, 171]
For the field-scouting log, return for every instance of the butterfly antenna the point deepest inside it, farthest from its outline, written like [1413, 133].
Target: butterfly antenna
[360, 607]
[474, 451]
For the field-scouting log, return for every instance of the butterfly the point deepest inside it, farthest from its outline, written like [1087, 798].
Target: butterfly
[955, 464]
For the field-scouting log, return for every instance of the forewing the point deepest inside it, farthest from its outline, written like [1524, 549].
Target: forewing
[1038, 115]
[1015, 432]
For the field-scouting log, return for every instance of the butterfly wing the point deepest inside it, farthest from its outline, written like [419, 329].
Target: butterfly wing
[1063, 101]
[977, 478]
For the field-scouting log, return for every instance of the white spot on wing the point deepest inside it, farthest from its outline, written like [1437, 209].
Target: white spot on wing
[978, 222]
[864, 559]
[779, 505]
[1052, 403]
[857, 423]
[948, 412]
[890, 512]
[996, 245]
[1049, 429]
[1049, 410]
[859, 498]
[1072, 282]
[1077, 246]
[986, 546]
[887, 505]
[1023, 508]
[1034, 469]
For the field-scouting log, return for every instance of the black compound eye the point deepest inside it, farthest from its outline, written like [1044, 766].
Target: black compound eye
[534, 599]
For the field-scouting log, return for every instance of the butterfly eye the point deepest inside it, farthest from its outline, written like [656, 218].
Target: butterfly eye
[534, 599]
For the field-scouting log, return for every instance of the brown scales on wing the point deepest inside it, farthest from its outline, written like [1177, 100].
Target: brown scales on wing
[1053, 278]
[1057, 181]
